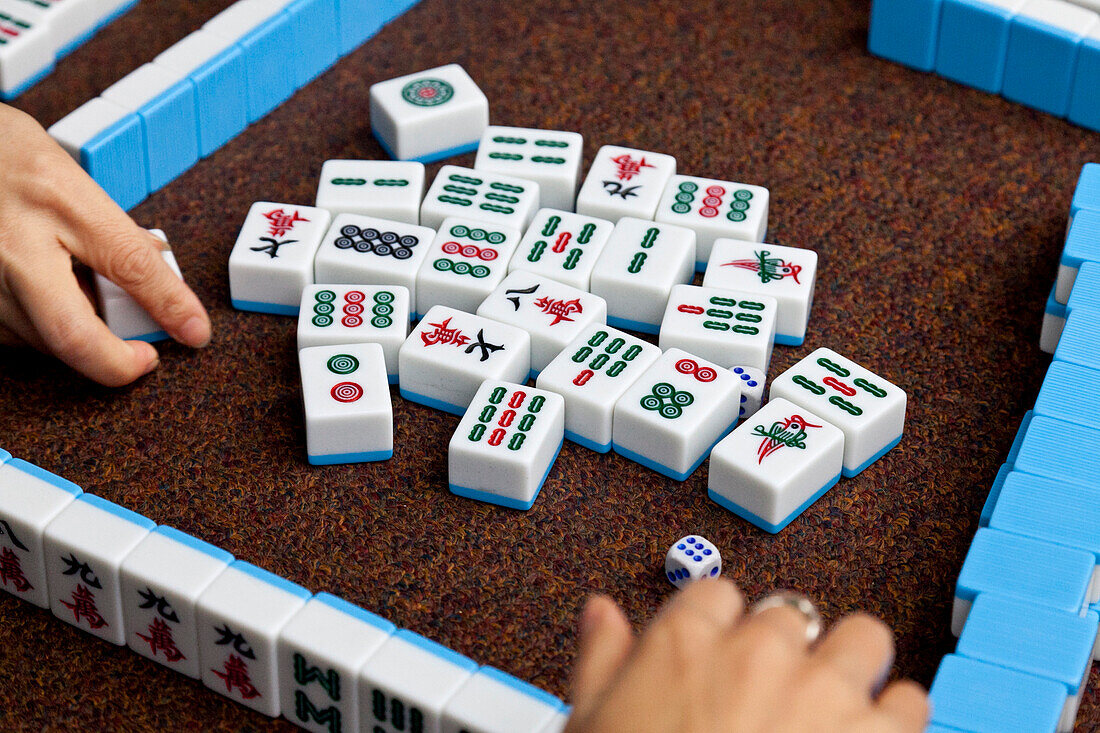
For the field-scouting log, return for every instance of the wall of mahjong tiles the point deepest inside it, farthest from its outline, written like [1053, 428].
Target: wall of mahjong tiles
[937, 212]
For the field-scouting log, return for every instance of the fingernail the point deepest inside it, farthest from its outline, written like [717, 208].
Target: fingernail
[195, 332]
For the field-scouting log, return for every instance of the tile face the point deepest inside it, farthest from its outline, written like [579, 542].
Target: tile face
[321, 650]
[562, 246]
[369, 251]
[240, 615]
[272, 260]
[85, 546]
[715, 209]
[752, 389]
[451, 352]
[123, 315]
[349, 418]
[30, 498]
[550, 158]
[784, 273]
[494, 702]
[27, 47]
[692, 558]
[869, 409]
[356, 314]
[162, 579]
[624, 182]
[383, 189]
[428, 115]
[506, 443]
[775, 465]
[726, 326]
[466, 262]
[488, 197]
[591, 373]
[638, 268]
[672, 416]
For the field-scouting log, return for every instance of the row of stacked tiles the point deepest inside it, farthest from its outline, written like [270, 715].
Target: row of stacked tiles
[1042, 53]
[323, 663]
[156, 122]
[1027, 598]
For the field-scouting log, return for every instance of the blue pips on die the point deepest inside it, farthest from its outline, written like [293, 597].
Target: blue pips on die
[692, 558]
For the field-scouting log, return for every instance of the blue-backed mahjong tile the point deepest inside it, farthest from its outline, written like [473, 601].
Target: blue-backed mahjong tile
[1086, 196]
[1060, 449]
[905, 31]
[358, 21]
[1086, 289]
[973, 41]
[316, 35]
[1080, 339]
[969, 695]
[1084, 99]
[1070, 392]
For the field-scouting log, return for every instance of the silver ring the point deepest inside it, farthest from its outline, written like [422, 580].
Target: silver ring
[798, 602]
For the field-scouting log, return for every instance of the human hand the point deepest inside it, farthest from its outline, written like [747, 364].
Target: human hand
[704, 665]
[50, 212]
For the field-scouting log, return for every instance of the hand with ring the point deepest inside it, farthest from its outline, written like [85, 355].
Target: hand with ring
[706, 664]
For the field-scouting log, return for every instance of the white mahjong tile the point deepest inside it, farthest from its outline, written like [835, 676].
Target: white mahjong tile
[70, 21]
[726, 326]
[869, 409]
[624, 182]
[715, 209]
[272, 260]
[492, 701]
[27, 47]
[785, 273]
[466, 262]
[505, 444]
[550, 158]
[673, 414]
[552, 312]
[489, 197]
[562, 246]
[591, 374]
[450, 353]
[384, 189]
[122, 314]
[775, 464]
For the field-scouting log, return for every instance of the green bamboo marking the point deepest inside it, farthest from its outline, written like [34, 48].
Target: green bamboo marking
[510, 140]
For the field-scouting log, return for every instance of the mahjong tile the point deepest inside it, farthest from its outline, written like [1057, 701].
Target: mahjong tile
[384, 189]
[624, 182]
[730, 327]
[715, 209]
[472, 194]
[562, 246]
[550, 158]
[467, 260]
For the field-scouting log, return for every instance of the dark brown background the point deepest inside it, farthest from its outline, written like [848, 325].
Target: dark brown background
[937, 212]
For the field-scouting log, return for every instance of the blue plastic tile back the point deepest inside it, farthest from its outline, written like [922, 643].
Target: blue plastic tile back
[1084, 98]
[1039, 65]
[1025, 568]
[984, 698]
[115, 159]
[905, 31]
[1030, 638]
[1070, 392]
[994, 495]
[121, 512]
[270, 80]
[4, 456]
[1086, 288]
[1082, 240]
[972, 44]
[170, 129]
[1060, 450]
[1087, 194]
[1053, 307]
[1053, 511]
[1080, 339]
[1021, 431]
[43, 475]
[316, 37]
[358, 20]
[222, 77]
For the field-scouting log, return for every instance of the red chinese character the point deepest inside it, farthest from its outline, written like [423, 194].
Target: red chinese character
[236, 675]
[559, 309]
[444, 334]
[83, 606]
[160, 639]
[628, 167]
[282, 222]
[11, 570]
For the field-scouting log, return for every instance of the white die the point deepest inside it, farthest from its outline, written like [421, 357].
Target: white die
[669, 419]
[30, 498]
[715, 209]
[784, 273]
[363, 250]
[776, 464]
[624, 182]
[384, 189]
[84, 546]
[553, 313]
[122, 314]
[752, 389]
[562, 246]
[550, 158]
[467, 260]
[492, 701]
[725, 326]
[239, 618]
[640, 264]
[450, 353]
[692, 558]
[506, 444]
[349, 418]
[429, 115]
[870, 410]
[272, 260]
[356, 314]
[489, 197]
[591, 374]
[162, 579]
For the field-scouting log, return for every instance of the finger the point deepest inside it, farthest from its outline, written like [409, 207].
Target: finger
[17, 327]
[787, 624]
[718, 603]
[606, 640]
[861, 648]
[906, 703]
